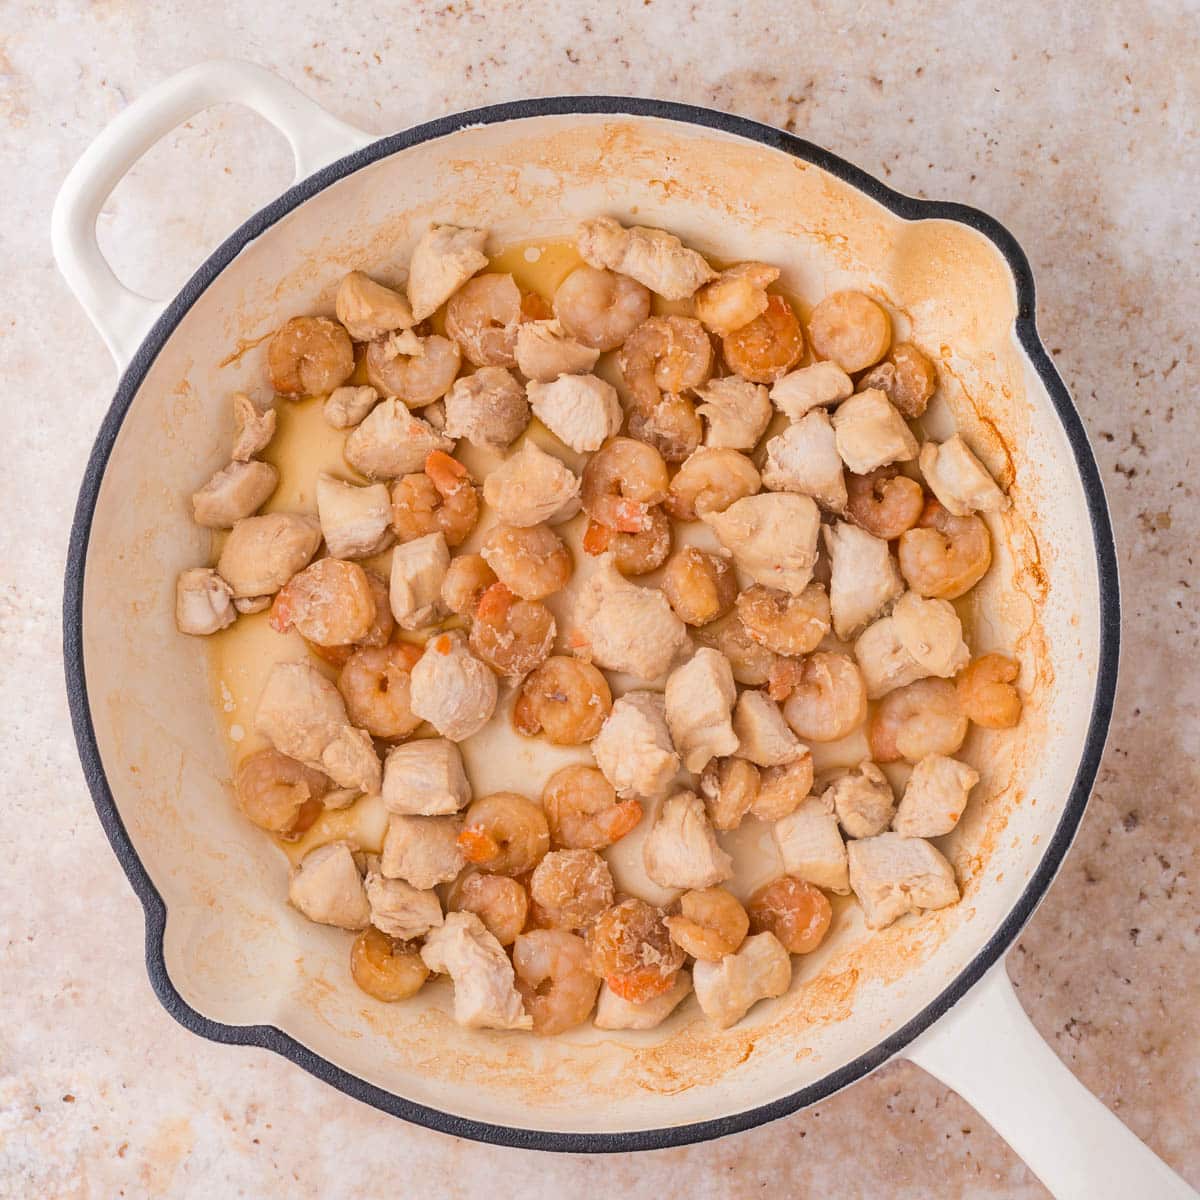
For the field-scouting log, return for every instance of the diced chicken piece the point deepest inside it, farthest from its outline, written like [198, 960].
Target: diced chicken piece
[772, 537]
[633, 748]
[532, 487]
[252, 430]
[391, 441]
[203, 602]
[811, 846]
[355, 521]
[348, 406]
[735, 297]
[883, 661]
[487, 408]
[871, 433]
[262, 553]
[612, 1012]
[801, 391]
[442, 261]
[485, 994]
[804, 459]
[544, 352]
[368, 310]
[452, 689]
[764, 737]
[699, 697]
[737, 411]
[864, 577]
[401, 910]
[935, 797]
[423, 851]
[302, 714]
[233, 493]
[863, 800]
[656, 259]
[958, 479]
[626, 627]
[921, 638]
[892, 875]
[415, 591]
[729, 988]
[425, 778]
[328, 889]
[681, 850]
[582, 411]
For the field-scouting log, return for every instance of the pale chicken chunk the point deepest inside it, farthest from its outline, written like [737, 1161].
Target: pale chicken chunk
[391, 441]
[613, 1012]
[811, 846]
[401, 910]
[633, 748]
[681, 850]
[883, 660]
[864, 577]
[442, 261]
[801, 391]
[415, 590]
[262, 553]
[958, 479]
[368, 310]
[452, 689]
[729, 988]
[871, 432]
[764, 737]
[582, 411]
[327, 888]
[656, 259]
[348, 406]
[804, 459]
[699, 698]
[425, 778]
[935, 797]
[234, 492]
[423, 851]
[252, 430]
[772, 537]
[544, 352]
[892, 875]
[863, 800]
[485, 994]
[737, 411]
[487, 408]
[355, 521]
[203, 602]
[921, 637]
[532, 487]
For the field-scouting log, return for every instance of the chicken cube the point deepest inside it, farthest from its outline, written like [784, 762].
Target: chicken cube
[681, 849]
[452, 689]
[368, 310]
[582, 411]
[871, 433]
[958, 479]
[699, 697]
[729, 988]
[864, 577]
[423, 851]
[935, 797]
[532, 487]
[804, 459]
[355, 521]
[613, 1012]
[487, 408]
[764, 737]
[233, 493]
[633, 748]
[801, 391]
[348, 406]
[442, 261]
[892, 875]
[203, 602]
[391, 441]
[252, 430]
[415, 590]
[327, 888]
[883, 660]
[811, 846]
[262, 553]
[922, 637]
[737, 411]
[772, 537]
[401, 910]
[425, 778]
[656, 259]
[544, 352]
[862, 799]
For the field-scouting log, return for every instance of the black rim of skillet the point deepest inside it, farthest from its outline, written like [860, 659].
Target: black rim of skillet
[271, 1038]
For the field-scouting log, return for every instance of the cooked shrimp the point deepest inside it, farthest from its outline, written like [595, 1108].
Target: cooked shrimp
[797, 912]
[583, 811]
[751, 663]
[512, 636]
[483, 317]
[664, 354]
[986, 693]
[567, 699]
[441, 498]
[570, 888]
[501, 903]
[415, 379]
[729, 787]
[851, 329]
[672, 426]
[700, 587]
[945, 556]
[884, 503]
[632, 949]
[828, 698]
[504, 833]
[915, 721]
[467, 578]
[329, 603]
[767, 348]
[735, 297]
[622, 482]
[711, 924]
[633, 553]
[533, 561]
[710, 481]
[787, 624]
[782, 788]
[379, 634]
[555, 979]
[600, 308]
[386, 968]
[279, 794]
[908, 378]
[309, 356]
[375, 686]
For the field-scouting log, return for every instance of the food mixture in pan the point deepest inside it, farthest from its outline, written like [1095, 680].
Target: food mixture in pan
[660, 526]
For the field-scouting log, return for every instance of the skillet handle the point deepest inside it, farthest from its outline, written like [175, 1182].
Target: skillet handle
[989, 1052]
[121, 315]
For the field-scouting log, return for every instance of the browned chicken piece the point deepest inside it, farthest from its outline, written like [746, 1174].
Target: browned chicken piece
[544, 352]
[737, 412]
[452, 689]
[920, 638]
[871, 433]
[863, 800]
[252, 430]
[804, 459]
[864, 577]
[811, 846]
[355, 521]
[935, 797]
[958, 479]
[582, 411]
[908, 377]
[532, 487]
[772, 537]
[415, 590]
[442, 261]
[327, 888]
[425, 778]
[203, 602]
[699, 698]
[816, 386]
[656, 259]
[233, 493]
[423, 851]
[613, 1012]
[368, 310]
[633, 748]
[751, 662]
[728, 989]
[763, 736]
[681, 850]
[391, 441]
[262, 553]
[892, 875]
[401, 910]
[487, 408]
[349, 406]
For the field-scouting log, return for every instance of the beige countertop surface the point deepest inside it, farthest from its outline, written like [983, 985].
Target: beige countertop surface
[1075, 125]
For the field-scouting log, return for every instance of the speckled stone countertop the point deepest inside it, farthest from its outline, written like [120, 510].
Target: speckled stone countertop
[1075, 125]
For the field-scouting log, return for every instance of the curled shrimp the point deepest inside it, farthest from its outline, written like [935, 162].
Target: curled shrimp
[780, 789]
[945, 556]
[570, 888]
[278, 793]
[414, 379]
[440, 498]
[379, 634]
[767, 348]
[532, 561]
[986, 693]
[375, 684]
[752, 663]
[504, 833]
[567, 699]
[729, 787]
[501, 903]
[851, 329]
[787, 624]
[711, 924]
[386, 968]
[828, 698]
[511, 635]
[699, 586]
[671, 425]
[633, 553]
[309, 356]
[735, 297]
[483, 317]
[467, 578]
[797, 912]
[884, 503]
[664, 354]
[915, 721]
[710, 481]
[583, 812]
[632, 949]
[329, 603]
[555, 978]
[600, 308]
[622, 482]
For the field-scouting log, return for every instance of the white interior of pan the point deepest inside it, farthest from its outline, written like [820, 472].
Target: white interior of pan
[239, 955]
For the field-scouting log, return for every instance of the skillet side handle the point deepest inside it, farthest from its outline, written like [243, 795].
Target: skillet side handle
[989, 1052]
[121, 315]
